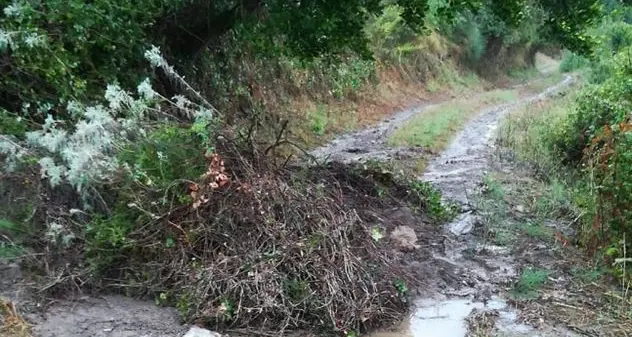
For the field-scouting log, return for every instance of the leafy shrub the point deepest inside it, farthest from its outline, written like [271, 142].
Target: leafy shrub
[90, 43]
[467, 33]
[571, 62]
[388, 31]
[84, 154]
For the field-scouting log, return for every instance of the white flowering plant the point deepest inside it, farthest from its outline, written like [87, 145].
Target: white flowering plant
[95, 150]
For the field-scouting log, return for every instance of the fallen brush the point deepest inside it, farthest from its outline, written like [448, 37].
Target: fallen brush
[274, 251]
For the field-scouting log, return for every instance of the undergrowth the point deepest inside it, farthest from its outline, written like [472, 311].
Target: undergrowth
[529, 283]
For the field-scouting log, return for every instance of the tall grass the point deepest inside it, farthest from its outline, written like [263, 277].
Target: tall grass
[571, 62]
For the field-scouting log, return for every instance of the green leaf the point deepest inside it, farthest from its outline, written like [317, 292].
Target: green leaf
[170, 242]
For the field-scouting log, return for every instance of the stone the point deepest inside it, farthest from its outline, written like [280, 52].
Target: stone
[403, 216]
[464, 224]
[199, 332]
[405, 238]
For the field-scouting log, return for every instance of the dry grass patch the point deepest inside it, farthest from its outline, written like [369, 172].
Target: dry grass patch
[11, 323]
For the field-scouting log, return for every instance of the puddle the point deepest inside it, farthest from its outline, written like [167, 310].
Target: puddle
[448, 319]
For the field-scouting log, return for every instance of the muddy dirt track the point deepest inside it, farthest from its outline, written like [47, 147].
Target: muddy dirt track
[457, 173]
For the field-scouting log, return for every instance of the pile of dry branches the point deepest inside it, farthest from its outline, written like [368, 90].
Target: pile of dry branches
[274, 250]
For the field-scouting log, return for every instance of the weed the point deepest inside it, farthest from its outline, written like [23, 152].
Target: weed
[493, 188]
[499, 96]
[587, 275]
[571, 62]
[504, 237]
[318, 120]
[401, 287]
[523, 74]
[432, 200]
[529, 284]
[298, 291]
[536, 230]
[185, 305]
[10, 251]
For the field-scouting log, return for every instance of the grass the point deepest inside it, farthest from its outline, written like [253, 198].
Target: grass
[493, 188]
[434, 128]
[523, 74]
[536, 230]
[528, 132]
[529, 283]
[318, 120]
[587, 275]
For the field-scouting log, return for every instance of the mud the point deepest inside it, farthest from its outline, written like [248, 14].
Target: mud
[370, 143]
[109, 317]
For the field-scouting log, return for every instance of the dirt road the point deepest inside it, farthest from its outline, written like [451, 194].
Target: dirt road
[457, 173]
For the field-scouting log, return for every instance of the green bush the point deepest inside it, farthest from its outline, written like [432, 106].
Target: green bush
[167, 154]
[89, 44]
[388, 31]
[571, 62]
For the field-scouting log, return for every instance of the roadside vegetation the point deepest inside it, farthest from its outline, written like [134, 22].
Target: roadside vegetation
[149, 148]
[576, 149]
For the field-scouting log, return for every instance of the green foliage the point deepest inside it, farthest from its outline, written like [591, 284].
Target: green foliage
[298, 291]
[432, 200]
[388, 31]
[587, 143]
[401, 287]
[12, 125]
[168, 153]
[494, 189]
[106, 240]
[468, 33]
[10, 249]
[537, 230]
[89, 45]
[530, 282]
[571, 62]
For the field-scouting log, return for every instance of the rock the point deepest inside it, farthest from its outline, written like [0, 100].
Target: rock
[464, 224]
[520, 209]
[199, 332]
[405, 238]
